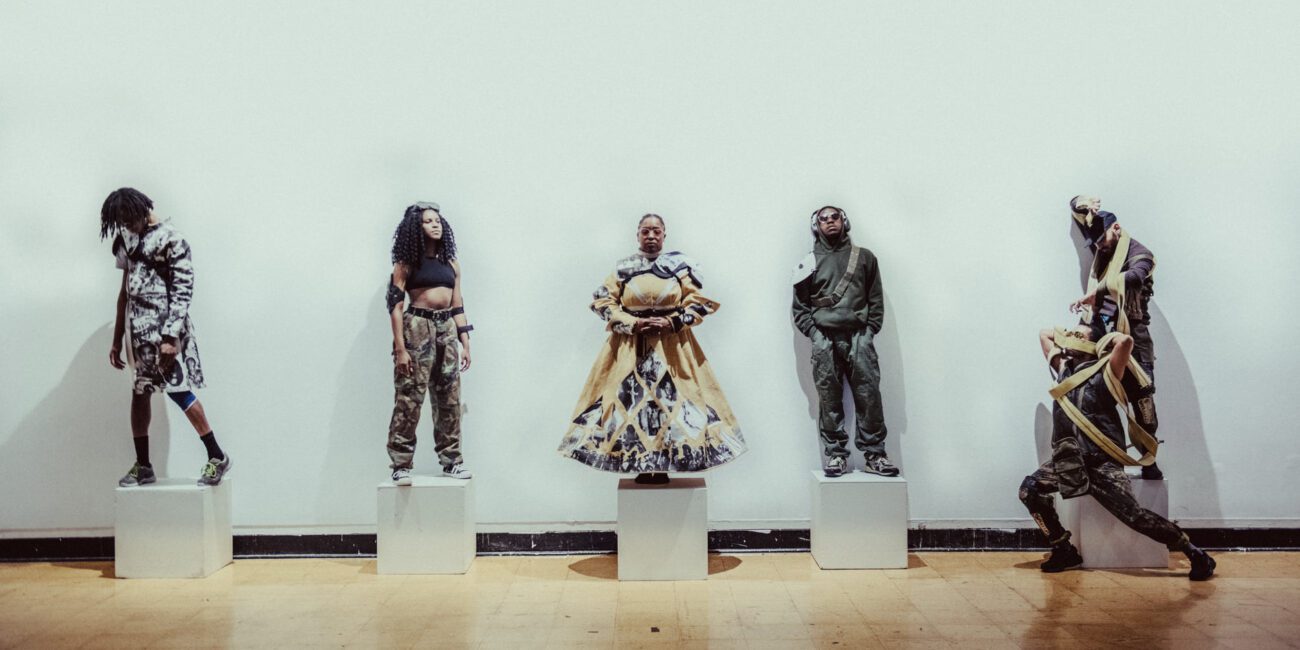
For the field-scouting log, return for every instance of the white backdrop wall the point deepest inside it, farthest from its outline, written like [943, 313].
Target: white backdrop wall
[285, 139]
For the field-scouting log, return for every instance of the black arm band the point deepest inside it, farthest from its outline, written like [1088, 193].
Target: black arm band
[395, 296]
[455, 311]
[464, 330]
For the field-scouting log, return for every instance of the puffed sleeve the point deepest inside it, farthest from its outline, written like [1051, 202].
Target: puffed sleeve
[695, 305]
[606, 302]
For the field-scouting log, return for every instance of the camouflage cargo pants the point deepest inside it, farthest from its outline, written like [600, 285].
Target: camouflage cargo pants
[1110, 486]
[848, 356]
[435, 352]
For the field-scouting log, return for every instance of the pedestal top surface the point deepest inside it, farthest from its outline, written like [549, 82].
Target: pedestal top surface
[856, 477]
[674, 484]
[424, 481]
[171, 484]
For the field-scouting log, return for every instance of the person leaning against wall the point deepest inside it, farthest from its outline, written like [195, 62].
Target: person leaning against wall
[153, 317]
[430, 339]
[839, 304]
[1121, 305]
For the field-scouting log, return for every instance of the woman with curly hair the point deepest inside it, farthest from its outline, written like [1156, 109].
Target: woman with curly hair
[430, 339]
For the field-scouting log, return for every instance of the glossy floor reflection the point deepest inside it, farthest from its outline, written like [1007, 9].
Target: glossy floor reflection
[957, 600]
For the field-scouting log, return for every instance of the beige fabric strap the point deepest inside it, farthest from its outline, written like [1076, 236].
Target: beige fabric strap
[843, 285]
[1141, 440]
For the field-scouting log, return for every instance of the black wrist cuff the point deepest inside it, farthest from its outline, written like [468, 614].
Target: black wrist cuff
[465, 329]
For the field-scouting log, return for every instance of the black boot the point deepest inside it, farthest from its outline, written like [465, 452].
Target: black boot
[1202, 564]
[652, 478]
[1064, 557]
[1152, 473]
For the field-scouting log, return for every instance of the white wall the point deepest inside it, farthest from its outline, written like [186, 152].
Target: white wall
[286, 141]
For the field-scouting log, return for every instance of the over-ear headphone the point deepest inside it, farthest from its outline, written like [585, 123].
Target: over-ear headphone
[843, 216]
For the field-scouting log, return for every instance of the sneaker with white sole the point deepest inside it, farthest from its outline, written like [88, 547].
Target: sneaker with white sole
[214, 471]
[402, 476]
[879, 464]
[139, 475]
[456, 471]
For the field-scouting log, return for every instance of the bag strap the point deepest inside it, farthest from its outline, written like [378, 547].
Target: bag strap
[837, 294]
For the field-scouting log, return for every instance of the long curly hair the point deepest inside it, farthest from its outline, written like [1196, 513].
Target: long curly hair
[124, 206]
[409, 240]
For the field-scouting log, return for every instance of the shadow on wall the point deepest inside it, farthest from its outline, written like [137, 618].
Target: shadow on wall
[355, 460]
[893, 390]
[1042, 434]
[1184, 455]
[71, 449]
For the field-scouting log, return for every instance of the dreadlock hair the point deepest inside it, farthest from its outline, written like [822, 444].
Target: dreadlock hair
[124, 206]
[409, 242]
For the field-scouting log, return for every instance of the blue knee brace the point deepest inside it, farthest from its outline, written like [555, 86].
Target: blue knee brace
[184, 400]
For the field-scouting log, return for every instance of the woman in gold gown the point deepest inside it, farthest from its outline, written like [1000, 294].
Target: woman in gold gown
[651, 404]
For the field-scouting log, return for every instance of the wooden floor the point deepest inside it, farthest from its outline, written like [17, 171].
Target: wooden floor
[958, 600]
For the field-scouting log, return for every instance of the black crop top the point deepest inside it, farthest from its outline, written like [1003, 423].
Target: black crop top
[432, 273]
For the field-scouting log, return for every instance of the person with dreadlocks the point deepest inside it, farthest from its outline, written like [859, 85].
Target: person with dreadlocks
[651, 404]
[153, 318]
[1120, 285]
[839, 303]
[1087, 435]
[430, 339]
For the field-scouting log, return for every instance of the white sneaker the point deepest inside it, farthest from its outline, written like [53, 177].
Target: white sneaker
[401, 476]
[456, 471]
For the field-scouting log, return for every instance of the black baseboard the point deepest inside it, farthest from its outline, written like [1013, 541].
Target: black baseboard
[587, 542]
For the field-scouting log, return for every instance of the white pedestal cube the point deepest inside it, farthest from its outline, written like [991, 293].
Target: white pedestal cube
[172, 529]
[1105, 542]
[663, 530]
[859, 521]
[426, 527]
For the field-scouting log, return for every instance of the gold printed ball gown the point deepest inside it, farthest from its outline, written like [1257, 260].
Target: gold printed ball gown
[651, 402]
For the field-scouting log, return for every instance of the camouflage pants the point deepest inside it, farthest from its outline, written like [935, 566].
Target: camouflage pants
[851, 356]
[434, 350]
[1110, 486]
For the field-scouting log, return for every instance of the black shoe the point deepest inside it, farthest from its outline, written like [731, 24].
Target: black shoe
[1202, 565]
[1063, 558]
[652, 478]
[1152, 473]
[835, 466]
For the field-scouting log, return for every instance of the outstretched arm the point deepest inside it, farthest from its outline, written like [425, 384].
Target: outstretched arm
[1121, 350]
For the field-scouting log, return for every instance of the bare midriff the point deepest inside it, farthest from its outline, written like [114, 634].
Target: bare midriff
[431, 298]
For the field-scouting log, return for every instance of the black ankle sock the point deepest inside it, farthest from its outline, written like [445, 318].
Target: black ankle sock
[141, 450]
[210, 441]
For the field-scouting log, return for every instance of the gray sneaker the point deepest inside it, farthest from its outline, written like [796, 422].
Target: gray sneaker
[139, 475]
[402, 476]
[835, 466]
[879, 464]
[214, 471]
[456, 471]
